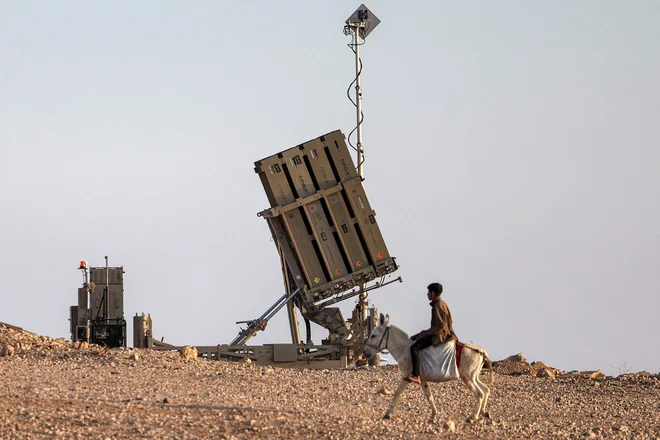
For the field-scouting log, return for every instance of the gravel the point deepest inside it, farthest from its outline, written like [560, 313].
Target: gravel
[52, 388]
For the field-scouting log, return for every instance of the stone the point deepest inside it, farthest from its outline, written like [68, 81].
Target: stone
[546, 372]
[538, 365]
[639, 377]
[515, 365]
[134, 357]
[575, 374]
[621, 428]
[516, 358]
[188, 352]
[540, 369]
[449, 425]
[384, 392]
[6, 350]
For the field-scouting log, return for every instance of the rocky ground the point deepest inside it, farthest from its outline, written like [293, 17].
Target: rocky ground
[50, 388]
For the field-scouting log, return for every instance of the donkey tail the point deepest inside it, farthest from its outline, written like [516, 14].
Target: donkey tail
[489, 364]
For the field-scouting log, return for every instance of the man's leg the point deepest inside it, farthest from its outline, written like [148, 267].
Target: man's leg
[419, 345]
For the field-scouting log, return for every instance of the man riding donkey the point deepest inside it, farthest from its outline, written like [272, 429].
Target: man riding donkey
[445, 358]
[440, 332]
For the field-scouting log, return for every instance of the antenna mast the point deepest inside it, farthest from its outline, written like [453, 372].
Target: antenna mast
[360, 24]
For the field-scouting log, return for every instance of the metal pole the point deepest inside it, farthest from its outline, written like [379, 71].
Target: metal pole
[358, 101]
[291, 310]
[107, 291]
[362, 304]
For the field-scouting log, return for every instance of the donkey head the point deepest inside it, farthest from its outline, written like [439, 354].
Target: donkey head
[377, 341]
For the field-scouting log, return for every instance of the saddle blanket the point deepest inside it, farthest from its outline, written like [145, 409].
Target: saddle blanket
[438, 363]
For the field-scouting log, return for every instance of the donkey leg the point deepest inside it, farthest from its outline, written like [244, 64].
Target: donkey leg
[478, 393]
[429, 397]
[402, 386]
[484, 402]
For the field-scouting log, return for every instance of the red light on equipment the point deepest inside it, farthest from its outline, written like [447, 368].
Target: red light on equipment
[83, 265]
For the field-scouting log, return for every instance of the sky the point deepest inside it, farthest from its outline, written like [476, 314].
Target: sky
[511, 153]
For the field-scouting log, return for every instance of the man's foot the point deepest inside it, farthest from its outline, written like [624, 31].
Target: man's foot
[413, 379]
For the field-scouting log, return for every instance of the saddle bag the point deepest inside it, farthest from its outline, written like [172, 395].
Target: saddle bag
[438, 363]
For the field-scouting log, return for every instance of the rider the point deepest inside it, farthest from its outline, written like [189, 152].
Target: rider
[441, 330]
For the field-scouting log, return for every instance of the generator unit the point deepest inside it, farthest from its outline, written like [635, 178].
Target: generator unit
[99, 316]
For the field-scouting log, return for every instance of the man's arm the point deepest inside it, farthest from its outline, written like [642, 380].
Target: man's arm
[437, 322]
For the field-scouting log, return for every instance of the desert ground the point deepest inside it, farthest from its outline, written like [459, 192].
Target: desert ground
[52, 388]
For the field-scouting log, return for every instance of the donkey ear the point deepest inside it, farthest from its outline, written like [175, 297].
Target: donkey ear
[386, 321]
[382, 319]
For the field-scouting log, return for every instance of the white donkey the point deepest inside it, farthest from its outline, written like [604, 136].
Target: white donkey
[472, 359]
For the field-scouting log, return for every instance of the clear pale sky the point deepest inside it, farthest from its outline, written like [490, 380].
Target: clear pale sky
[512, 153]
